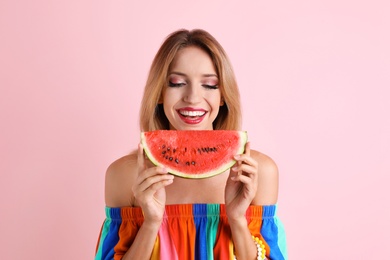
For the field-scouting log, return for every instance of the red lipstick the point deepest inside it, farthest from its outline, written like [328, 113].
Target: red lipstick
[191, 115]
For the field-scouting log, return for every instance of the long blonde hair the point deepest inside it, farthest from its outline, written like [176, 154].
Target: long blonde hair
[152, 116]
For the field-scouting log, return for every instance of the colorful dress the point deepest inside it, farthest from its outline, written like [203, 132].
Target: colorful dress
[190, 232]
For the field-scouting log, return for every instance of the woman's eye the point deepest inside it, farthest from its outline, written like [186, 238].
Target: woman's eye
[171, 84]
[210, 86]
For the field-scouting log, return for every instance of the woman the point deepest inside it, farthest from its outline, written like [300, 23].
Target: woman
[154, 215]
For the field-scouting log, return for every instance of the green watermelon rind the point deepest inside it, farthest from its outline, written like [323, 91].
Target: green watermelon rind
[243, 137]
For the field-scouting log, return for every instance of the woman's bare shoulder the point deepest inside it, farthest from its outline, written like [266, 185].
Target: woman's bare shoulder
[268, 179]
[120, 176]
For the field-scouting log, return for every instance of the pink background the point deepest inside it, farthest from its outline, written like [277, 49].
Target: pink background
[315, 83]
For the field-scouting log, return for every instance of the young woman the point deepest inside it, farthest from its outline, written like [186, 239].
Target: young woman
[152, 214]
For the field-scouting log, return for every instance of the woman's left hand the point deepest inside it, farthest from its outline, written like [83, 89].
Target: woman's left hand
[241, 186]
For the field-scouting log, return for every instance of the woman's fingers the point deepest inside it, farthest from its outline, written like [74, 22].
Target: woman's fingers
[154, 185]
[152, 176]
[247, 169]
[246, 180]
[147, 187]
[245, 164]
[150, 179]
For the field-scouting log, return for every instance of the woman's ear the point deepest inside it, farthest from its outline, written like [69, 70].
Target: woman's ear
[222, 102]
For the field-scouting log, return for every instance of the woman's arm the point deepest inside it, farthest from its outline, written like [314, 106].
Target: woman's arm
[254, 180]
[244, 246]
[130, 181]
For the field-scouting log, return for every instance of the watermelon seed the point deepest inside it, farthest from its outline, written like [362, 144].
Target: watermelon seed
[166, 157]
[187, 163]
[163, 146]
[174, 150]
[170, 158]
[168, 148]
[176, 160]
[163, 152]
[185, 149]
[193, 163]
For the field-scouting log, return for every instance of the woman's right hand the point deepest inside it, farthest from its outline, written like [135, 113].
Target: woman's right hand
[149, 189]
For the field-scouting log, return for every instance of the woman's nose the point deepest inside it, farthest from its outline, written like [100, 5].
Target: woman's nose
[192, 94]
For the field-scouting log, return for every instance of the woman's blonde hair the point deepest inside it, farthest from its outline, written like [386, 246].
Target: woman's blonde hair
[152, 116]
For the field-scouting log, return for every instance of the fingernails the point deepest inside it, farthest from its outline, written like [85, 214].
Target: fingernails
[234, 169]
[237, 157]
[170, 178]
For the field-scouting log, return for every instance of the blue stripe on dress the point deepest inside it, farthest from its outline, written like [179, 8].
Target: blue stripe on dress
[114, 221]
[269, 229]
[200, 220]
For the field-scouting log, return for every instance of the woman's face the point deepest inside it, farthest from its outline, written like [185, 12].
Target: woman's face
[192, 97]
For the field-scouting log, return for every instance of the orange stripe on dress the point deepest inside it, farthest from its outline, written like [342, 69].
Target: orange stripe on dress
[182, 229]
[223, 248]
[255, 221]
[132, 219]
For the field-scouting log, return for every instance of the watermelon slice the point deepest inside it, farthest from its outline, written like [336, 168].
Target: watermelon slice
[194, 154]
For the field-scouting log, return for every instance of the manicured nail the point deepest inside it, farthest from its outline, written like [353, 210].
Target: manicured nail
[237, 156]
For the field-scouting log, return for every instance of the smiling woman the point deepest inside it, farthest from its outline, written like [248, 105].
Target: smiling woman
[151, 214]
[152, 115]
[192, 98]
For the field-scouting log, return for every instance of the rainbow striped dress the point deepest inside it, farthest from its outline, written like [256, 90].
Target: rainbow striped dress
[190, 232]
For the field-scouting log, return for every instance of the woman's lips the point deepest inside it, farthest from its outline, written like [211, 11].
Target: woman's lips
[191, 115]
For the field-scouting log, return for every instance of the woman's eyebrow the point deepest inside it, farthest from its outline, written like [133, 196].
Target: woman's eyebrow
[177, 73]
[183, 74]
[210, 75]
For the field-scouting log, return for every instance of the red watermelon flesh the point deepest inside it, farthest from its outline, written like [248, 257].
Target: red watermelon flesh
[196, 153]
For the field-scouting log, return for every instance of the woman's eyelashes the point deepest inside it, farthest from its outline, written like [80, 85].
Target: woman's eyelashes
[180, 84]
[210, 86]
[175, 85]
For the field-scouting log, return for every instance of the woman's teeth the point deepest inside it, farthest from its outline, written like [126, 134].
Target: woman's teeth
[192, 113]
